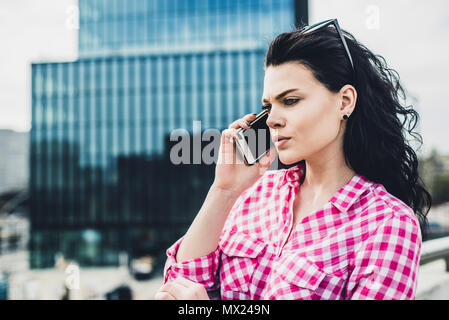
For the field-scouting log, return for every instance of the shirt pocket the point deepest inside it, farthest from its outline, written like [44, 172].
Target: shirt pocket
[301, 272]
[241, 257]
[299, 278]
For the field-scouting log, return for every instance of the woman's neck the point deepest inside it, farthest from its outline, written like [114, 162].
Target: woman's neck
[326, 173]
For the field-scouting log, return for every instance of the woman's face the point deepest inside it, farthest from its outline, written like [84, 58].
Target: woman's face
[310, 116]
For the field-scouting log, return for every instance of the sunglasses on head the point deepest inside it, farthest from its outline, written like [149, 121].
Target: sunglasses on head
[324, 24]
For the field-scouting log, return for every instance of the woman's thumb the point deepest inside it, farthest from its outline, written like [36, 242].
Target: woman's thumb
[267, 159]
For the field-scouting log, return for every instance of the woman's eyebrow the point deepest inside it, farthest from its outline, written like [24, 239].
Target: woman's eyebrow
[282, 94]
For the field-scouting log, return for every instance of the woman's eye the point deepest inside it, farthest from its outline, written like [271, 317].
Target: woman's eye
[289, 102]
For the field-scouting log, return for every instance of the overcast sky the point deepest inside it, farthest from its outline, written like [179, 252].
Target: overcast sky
[413, 36]
[30, 30]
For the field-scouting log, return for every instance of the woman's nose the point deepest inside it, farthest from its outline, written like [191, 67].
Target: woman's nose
[274, 121]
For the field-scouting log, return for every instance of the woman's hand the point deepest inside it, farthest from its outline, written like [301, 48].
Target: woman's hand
[231, 173]
[181, 289]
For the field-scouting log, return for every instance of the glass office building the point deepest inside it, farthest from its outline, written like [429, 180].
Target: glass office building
[101, 180]
[140, 25]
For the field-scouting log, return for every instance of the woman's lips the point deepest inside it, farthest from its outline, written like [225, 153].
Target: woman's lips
[281, 141]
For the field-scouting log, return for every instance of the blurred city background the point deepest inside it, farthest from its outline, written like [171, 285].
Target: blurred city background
[90, 91]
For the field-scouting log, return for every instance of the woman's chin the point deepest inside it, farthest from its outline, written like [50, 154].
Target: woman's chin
[287, 159]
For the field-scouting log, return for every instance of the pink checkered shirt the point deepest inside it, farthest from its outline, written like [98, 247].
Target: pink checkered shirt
[363, 244]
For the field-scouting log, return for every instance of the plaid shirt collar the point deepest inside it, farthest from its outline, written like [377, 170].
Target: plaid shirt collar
[343, 199]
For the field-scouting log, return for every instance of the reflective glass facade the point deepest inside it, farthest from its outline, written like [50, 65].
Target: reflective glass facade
[101, 181]
[136, 25]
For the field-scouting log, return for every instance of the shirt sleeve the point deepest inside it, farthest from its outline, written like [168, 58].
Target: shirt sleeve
[205, 269]
[202, 270]
[386, 265]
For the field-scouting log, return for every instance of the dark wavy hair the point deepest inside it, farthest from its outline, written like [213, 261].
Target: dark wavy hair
[375, 144]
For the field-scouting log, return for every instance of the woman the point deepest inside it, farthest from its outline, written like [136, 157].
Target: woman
[344, 221]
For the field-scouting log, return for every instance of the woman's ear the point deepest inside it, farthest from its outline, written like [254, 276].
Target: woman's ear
[348, 96]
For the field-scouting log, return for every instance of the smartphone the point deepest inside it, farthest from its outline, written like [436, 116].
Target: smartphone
[254, 143]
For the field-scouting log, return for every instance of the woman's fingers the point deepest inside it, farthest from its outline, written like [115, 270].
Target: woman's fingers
[198, 290]
[241, 123]
[175, 289]
[182, 289]
[185, 282]
[228, 152]
[227, 135]
[162, 295]
[266, 160]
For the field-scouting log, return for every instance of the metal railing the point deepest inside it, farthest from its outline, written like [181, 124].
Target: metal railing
[435, 249]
